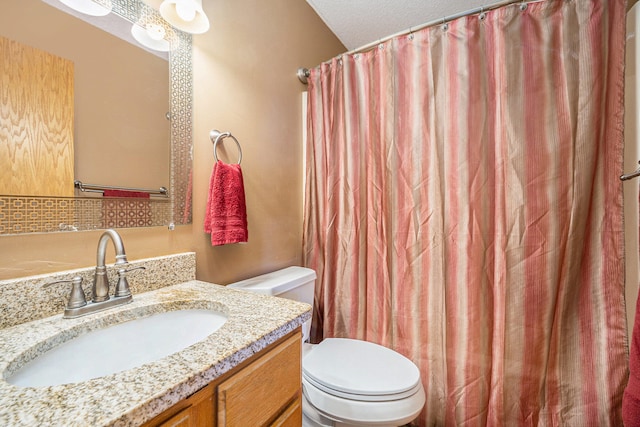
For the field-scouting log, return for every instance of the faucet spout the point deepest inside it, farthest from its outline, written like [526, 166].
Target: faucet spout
[101, 282]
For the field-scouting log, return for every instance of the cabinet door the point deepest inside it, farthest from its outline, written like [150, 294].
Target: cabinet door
[197, 410]
[203, 411]
[291, 417]
[259, 393]
[181, 419]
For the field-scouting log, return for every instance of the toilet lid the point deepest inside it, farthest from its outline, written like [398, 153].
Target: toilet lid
[360, 370]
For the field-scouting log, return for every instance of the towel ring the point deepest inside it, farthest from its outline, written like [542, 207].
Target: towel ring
[217, 136]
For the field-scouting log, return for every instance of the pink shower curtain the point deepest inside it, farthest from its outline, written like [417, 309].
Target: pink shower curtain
[463, 207]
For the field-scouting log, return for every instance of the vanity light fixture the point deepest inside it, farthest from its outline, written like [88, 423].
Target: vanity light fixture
[90, 7]
[154, 34]
[185, 15]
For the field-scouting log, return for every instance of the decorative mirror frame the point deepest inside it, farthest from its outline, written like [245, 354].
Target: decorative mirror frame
[22, 215]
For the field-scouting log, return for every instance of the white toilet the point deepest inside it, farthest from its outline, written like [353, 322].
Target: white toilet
[345, 382]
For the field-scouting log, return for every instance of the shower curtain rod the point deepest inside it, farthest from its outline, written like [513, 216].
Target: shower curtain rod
[303, 73]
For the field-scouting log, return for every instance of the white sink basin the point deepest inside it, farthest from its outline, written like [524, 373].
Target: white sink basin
[119, 347]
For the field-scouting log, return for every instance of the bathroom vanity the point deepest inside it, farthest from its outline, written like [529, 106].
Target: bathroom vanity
[247, 372]
[265, 390]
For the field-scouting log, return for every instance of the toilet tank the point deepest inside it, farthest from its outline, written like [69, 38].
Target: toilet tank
[294, 283]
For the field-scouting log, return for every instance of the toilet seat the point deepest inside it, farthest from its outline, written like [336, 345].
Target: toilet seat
[360, 370]
[361, 397]
[361, 383]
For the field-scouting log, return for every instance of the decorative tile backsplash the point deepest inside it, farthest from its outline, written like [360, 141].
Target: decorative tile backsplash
[24, 299]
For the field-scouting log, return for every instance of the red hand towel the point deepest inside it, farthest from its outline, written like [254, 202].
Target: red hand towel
[226, 215]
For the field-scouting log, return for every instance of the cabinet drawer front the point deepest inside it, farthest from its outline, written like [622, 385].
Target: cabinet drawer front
[258, 393]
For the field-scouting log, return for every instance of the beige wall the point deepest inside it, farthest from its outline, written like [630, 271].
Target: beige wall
[245, 83]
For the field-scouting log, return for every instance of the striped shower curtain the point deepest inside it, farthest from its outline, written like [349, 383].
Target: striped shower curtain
[463, 207]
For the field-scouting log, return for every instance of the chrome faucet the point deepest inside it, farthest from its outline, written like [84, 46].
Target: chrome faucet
[100, 300]
[100, 288]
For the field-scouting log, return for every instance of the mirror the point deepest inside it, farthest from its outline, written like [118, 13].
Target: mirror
[130, 166]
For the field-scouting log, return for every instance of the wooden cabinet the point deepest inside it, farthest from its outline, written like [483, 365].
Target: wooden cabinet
[263, 391]
[249, 397]
[197, 410]
[183, 418]
[291, 417]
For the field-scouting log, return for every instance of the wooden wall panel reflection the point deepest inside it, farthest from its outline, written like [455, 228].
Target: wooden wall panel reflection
[36, 122]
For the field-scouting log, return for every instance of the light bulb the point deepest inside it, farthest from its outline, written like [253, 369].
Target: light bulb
[155, 31]
[185, 15]
[186, 10]
[152, 35]
[89, 7]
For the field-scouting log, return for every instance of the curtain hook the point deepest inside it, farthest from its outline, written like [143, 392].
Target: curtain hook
[523, 5]
[482, 15]
[445, 25]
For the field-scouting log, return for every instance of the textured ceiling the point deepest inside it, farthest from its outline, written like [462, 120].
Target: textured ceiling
[360, 22]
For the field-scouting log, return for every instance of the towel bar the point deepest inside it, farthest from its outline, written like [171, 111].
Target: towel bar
[93, 188]
[217, 136]
[631, 175]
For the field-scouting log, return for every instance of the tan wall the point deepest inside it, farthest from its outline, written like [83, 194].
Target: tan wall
[245, 82]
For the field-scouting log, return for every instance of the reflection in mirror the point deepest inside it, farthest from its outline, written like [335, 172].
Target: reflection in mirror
[120, 131]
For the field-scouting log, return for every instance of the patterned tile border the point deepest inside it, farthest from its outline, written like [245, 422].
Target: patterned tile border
[19, 215]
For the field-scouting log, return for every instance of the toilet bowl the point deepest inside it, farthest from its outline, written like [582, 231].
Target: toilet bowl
[345, 382]
[358, 383]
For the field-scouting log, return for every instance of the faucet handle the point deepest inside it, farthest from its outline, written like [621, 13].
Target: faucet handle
[77, 297]
[122, 288]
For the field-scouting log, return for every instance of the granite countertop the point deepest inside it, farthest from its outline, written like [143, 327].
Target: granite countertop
[132, 397]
